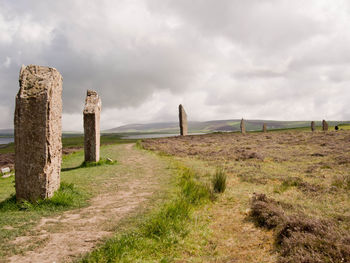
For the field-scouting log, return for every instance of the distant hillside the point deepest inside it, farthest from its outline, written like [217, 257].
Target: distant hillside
[6, 132]
[213, 126]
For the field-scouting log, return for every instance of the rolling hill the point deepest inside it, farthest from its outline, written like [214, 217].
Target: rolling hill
[213, 126]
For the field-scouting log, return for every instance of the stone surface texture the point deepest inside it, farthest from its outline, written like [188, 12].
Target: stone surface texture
[38, 131]
[264, 127]
[324, 126]
[242, 126]
[183, 121]
[313, 127]
[92, 112]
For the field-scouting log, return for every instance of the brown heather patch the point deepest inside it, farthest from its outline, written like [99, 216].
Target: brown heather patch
[279, 146]
[300, 239]
[267, 212]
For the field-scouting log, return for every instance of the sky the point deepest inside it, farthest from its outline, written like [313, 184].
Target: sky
[227, 59]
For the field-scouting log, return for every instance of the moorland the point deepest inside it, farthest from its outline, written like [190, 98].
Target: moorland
[284, 197]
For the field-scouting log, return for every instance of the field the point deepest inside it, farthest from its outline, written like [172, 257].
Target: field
[287, 197]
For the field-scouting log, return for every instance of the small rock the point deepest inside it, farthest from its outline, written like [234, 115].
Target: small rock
[5, 170]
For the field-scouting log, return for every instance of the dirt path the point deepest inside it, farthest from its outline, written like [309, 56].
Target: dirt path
[64, 238]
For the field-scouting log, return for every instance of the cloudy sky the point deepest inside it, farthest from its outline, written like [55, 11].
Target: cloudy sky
[261, 59]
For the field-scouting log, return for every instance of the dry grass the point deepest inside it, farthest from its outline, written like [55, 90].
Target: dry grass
[305, 173]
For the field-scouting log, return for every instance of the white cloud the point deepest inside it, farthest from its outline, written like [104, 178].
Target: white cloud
[275, 59]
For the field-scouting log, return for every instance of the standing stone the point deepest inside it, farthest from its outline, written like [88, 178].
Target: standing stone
[264, 127]
[313, 126]
[38, 131]
[242, 126]
[92, 112]
[183, 121]
[324, 126]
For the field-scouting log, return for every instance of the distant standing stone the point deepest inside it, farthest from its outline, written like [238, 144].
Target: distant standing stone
[242, 126]
[264, 127]
[312, 126]
[38, 131]
[92, 112]
[324, 126]
[183, 121]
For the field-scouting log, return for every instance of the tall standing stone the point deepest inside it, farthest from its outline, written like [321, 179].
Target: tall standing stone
[38, 131]
[324, 126]
[313, 126]
[183, 121]
[264, 127]
[92, 112]
[242, 126]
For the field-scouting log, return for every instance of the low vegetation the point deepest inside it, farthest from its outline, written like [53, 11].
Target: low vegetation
[219, 181]
[107, 161]
[67, 196]
[306, 216]
[158, 236]
[300, 238]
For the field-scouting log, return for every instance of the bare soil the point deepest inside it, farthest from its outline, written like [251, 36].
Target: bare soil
[66, 237]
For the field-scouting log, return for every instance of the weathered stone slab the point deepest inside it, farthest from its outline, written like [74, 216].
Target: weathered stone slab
[92, 112]
[242, 126]
[313, 127]
[38, 131]
[264, 127]
[324, 126]
[183, 121]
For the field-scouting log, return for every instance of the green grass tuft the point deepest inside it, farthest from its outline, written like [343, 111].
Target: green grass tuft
[219, 181]
[99, 163]
[66, 196]
[139, 145]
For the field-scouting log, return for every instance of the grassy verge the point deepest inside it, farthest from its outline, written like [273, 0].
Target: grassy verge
[66, 197]
[159, 237]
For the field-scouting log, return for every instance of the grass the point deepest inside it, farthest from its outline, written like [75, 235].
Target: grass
[107, 161]
[67, 196]
[219, 181]
[306, 173]
[160, 235]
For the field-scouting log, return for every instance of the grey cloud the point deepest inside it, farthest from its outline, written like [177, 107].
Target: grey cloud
[276, 54]
[260, 24]
[262, 73]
